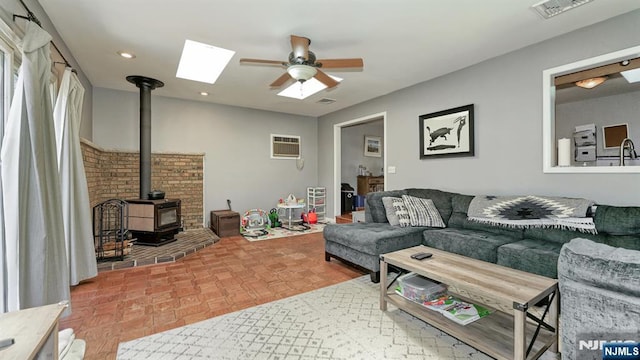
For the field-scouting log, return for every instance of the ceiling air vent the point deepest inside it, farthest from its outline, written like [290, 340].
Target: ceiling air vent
[550, 8]
[326, 101]
[285, 146]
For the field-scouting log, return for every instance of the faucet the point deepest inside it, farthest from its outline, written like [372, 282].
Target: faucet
[627, 144]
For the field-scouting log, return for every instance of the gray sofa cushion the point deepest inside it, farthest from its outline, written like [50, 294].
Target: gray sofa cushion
[441, 199]
[587, 273]
[373, 238]
[624, 241]
[617, 220]
[392, 217]
[531, 255]
[560, 236]
[600, 265]
[367, 261]
[476, 244]
[422, 212]
[374, 208]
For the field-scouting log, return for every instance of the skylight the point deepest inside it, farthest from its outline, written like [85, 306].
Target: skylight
[632, 76]
[304, 90]
[202, 62]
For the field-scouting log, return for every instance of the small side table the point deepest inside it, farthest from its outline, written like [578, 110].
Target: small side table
[34, 330]
[289, 209]
[357, 216]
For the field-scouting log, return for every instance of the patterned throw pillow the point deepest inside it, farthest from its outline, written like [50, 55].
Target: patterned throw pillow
[422, 212]
[401, 212]
[387, 201]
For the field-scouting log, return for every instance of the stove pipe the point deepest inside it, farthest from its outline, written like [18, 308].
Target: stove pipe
[145, 85]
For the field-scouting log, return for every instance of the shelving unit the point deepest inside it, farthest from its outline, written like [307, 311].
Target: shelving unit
[316, 199]
[367, 184]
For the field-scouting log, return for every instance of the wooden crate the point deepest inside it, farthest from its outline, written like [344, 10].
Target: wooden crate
[225, 222]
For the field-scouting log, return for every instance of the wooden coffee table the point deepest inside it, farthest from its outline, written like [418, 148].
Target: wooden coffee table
[504, 334]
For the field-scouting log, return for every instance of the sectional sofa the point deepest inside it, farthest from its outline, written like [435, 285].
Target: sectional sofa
[600, 287]
[534, 250]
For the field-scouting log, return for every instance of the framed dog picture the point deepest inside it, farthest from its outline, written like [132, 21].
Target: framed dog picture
[447, 133]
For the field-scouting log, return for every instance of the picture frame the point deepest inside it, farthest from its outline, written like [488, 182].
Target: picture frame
[447, 133]
[372, 146]
[613, 135]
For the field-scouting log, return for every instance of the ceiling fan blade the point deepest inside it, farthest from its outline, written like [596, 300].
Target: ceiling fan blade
[300, 46]
[325, 79]
[262, 62]
[341, 63]
[281, 80]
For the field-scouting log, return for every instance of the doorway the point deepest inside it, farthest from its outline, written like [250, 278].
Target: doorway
[348, 128]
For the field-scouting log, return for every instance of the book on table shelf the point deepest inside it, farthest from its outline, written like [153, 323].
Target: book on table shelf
[457, 310]
[434, 296]
[453, 308]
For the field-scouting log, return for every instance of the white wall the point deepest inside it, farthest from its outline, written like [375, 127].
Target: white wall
[507, 93]
[352, 151]
[235, 142]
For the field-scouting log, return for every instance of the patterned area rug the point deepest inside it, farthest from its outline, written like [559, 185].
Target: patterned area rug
[282, 232]
[342, 321]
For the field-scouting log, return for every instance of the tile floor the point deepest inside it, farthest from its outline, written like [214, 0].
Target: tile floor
[233, 274]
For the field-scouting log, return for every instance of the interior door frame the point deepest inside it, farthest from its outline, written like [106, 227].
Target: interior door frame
[337, 154]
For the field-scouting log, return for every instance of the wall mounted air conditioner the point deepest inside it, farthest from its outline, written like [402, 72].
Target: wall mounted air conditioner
[551, 8]
[285, 146]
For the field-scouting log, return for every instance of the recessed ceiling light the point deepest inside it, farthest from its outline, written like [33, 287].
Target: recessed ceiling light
[202, 62]
[204, 93]
[303, 90]
[126, 55]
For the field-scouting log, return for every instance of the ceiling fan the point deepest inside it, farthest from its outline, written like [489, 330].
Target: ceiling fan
[302, 64]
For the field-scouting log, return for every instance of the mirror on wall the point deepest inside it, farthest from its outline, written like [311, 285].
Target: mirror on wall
[589, 107]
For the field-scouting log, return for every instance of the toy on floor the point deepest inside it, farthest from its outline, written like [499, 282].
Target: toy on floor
[274, 219]
[254, 223]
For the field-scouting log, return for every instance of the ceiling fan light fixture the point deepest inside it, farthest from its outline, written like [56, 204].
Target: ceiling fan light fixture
[591, 83]
[303, 90]
[301, 73]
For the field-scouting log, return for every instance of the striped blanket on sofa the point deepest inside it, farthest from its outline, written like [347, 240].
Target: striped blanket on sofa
[533, 211]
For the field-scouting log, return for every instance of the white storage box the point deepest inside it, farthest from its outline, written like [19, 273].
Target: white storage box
[584, 138]
[418, 288]
[586, 153]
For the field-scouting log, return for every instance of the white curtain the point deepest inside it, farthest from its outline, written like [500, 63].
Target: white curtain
[36, 262]
[3, 251]
[76, 211]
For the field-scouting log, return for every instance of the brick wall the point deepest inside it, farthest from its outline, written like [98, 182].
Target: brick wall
[116, 174]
